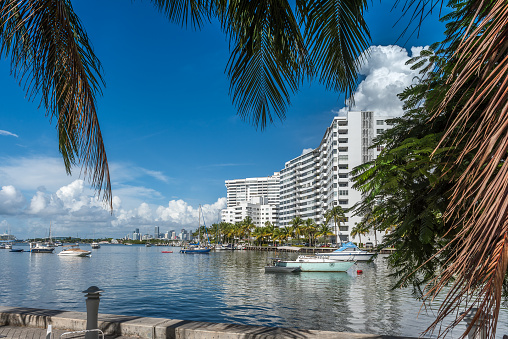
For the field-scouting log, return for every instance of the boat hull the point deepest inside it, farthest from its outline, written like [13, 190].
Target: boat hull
[348, 256]
[192, 251]
[282, 269]
[74, 254]
[42, 250]
[319, 266]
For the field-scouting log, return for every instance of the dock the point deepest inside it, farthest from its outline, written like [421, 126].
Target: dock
[31, 323]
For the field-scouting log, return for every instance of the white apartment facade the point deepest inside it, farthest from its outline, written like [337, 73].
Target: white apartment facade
[243, 190]
[257, 208]
[315, 182]
[257, 198]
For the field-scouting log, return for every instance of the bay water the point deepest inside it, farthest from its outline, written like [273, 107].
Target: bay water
[226, 286]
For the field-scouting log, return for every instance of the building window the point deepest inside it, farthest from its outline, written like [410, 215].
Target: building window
[343, 202]
[342, 176]
[380, 131]
[343, 157]
[380, 148]
[379, 122]
[343, 228]
[342, 184]
[342, 192]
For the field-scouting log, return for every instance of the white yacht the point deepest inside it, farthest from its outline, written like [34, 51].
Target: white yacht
[96, 245]
[74, 251]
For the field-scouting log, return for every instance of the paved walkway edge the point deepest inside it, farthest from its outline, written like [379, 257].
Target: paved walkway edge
[159, 328]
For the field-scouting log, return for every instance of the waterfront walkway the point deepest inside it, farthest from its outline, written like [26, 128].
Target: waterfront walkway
[31, 323]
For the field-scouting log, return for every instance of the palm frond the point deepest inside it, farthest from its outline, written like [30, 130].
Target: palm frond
[50, 55]
[181, 11]
[337, 37]
[479, 202]
[268, 60]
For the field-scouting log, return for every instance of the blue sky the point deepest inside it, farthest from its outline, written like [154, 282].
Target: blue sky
[171, 132]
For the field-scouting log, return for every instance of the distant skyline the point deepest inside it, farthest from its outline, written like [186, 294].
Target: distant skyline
[172, 135]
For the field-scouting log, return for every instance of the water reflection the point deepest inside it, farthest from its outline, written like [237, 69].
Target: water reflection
[219, 287]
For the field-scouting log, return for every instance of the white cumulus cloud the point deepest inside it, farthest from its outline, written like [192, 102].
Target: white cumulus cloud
[11, 200]
[386, 75]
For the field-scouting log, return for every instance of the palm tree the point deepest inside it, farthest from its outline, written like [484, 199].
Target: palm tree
[310, 229]
[271, 231]
[338, 215]
[247, 227]
[296, 226]
[324, 231]
[359, 230]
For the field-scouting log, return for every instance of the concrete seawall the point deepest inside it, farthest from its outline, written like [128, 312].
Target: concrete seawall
[159, 328]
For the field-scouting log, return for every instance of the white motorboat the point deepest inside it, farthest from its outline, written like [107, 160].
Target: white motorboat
[74, 251]
[95, 245]
[316, 264]
[348, 251]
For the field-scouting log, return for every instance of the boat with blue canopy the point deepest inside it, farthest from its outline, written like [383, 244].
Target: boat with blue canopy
[347, 252]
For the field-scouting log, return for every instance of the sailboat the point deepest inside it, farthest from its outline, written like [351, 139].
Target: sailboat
[196, 248]
[47, 247]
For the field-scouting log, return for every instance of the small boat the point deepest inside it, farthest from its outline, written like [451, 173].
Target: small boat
[317, 264]
[274, 267]
[148, 244]
[74, 251]
[8, 246]
[195, 249]
[16, 250]
[347, 252]
[95, 245]
[166, 251]
[36, 247]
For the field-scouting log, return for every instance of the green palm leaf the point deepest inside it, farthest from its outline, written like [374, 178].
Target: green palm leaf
[337, 36]
[50, 55]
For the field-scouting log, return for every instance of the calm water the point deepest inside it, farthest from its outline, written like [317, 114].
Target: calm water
[226, 287]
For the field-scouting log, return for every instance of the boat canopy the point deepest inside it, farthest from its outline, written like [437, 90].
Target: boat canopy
[346, 246]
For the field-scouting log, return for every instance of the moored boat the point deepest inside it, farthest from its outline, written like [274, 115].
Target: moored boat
[348, 251]
[95, 245]
[36, 247]
[195, 249]
[16, 250]
[317, 264]
[74, 251]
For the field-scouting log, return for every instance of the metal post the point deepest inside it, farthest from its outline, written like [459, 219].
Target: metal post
[92, 311]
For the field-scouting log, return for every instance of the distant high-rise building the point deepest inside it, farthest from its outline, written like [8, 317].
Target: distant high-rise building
[156, 232]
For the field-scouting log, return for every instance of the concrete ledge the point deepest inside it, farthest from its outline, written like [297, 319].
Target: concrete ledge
[159, 328]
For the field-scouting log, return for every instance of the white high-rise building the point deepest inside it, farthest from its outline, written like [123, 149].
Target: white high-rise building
[257, 198]
[315, 182]
[243, 190]
[257, 208]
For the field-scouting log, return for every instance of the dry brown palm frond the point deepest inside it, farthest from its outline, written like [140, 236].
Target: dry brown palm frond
[50, 55]
[480, 199]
